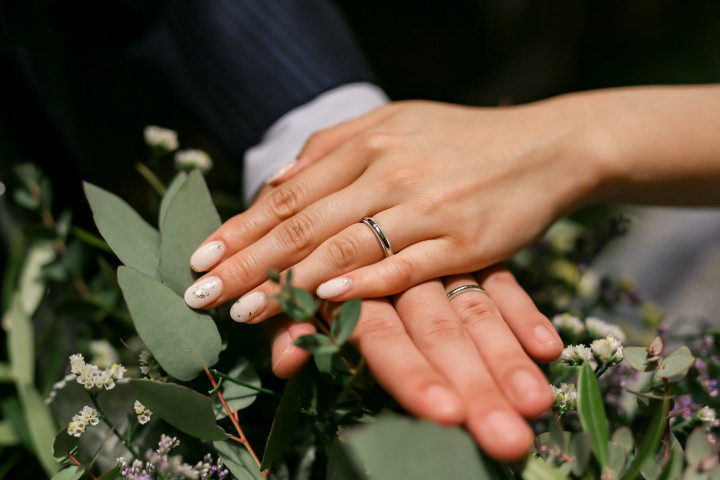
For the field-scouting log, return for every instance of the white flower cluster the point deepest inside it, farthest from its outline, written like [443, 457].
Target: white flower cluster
[143, 413]
[574, 355]
[564, 398]
[162, 139]
[600, 329]
[568, 323]
[91, 375]
[607, 350]
[708, 418]
[86, 416]
[160, 466]
[193, 158]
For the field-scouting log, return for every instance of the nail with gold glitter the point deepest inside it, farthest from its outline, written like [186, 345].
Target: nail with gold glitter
[203, 292]
[248, 307]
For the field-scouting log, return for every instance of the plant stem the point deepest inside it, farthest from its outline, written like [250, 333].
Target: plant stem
[244, 384]
[151, 178]
[93, 397]
[243, 439]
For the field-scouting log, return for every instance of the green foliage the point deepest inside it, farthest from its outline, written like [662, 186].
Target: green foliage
[592, 413]
[238, 460]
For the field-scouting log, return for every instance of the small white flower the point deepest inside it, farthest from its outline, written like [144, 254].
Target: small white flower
[86, 416]
[564, 397]
[708, 417]
[607, 350]
[589, 284]
[576, 355]
[76, 363]
[117, 371]
[105, 380]
[599, 329]
[161, 138]
[193, 158]
[143, 413]
[568, 323]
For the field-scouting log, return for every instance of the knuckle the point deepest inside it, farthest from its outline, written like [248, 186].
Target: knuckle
[473, 312]
[342, 252]
[402, 269]
[319, 138]
[374, 327]
[242, 270]
[284, 201]
[439, 331]
[375, 142]
[296, 233]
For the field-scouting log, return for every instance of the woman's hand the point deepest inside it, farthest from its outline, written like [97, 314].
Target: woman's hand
[453, 188]
[463, 361]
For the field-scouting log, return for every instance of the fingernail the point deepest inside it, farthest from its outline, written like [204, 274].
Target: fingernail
[203, 292]
[280, 172]
[207, 255]
[504, 426]
[333, 288]
[248, 306]
[545, 335]
[524, 383]
[443, 400]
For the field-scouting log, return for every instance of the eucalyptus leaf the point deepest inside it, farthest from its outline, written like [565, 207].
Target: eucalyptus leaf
[537, 469]
[25, 199]
[237, 396]
[316, 343]
[182, 340]
[238, 460]
[330, 363]
[64, 444]
[344, 324]
[286, 420]
[698, 447]
[676, 364]
[651, 436]
[673, 466]
[617, 457]
[189, 219]
[72, 472]
[623, 436]
[637, 358]
[134, 241]
[181, 407]
[8, 437]
[21, 346]
[592, 413]
[396, 447]
[172, 189]
[580, 449]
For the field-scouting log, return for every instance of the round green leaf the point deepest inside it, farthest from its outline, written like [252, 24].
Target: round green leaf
[182, 407]
[237, 396]
[677, 363]
[238, 460]
[637, 357]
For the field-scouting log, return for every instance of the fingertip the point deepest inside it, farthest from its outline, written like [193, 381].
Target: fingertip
[503, 435]
[207, 255]
[287, 358]
[547, 345]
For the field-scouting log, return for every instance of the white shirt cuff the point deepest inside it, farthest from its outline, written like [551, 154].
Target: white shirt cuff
[285, 138]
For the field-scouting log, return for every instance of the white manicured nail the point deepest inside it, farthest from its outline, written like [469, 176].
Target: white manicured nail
[207, 255]
[248, 306]
[333, 288]
[280, 172]
[203, 292]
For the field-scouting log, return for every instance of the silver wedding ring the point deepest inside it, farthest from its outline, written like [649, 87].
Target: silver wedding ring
[465, 288]
[384, 242]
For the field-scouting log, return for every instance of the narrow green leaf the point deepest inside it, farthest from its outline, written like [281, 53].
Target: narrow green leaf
[189, 219]
[316, 343]
[537, 469]
[112, 474]
[41, 426]
[182, 340]
[8, 436]
[11, 409]
[651, 437]
[345, 322]
[238, 460]
[21, 347]
[698, 447]
[677, 363]
[592, 413]
[396, 447]
[237, 396]
[172, 189]
[637, 357]
[32, 284]
[623, 436]
[286, 420]
[134, 241]
[70, 473]
[181, 407]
